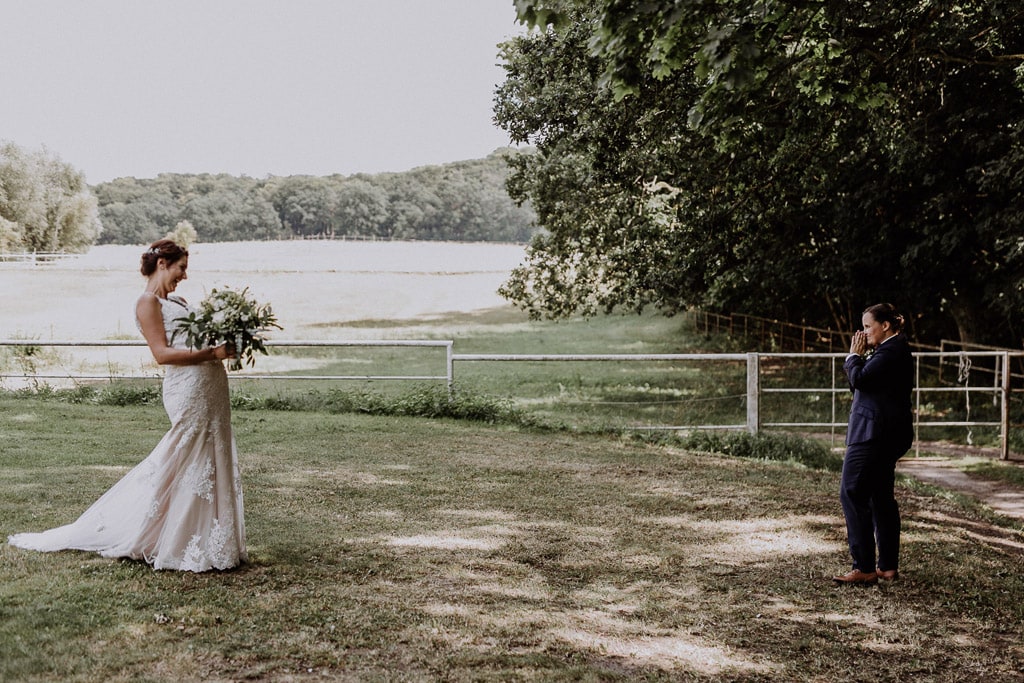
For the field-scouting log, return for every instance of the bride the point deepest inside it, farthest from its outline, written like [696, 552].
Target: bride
[181, 507]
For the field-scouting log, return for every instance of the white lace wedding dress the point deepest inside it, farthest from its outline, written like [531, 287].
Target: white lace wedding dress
[180, 508]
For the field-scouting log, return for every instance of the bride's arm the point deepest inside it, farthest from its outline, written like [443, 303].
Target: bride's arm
[147, 310]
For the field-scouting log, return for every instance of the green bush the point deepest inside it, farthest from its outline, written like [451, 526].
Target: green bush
[423, 401]
[121, 394]
[77, 395]
[766, 446]
[115, 394]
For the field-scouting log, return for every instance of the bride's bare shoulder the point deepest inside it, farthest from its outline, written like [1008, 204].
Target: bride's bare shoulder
[147, 301]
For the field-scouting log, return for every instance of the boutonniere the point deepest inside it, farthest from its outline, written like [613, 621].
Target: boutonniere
[867, 355]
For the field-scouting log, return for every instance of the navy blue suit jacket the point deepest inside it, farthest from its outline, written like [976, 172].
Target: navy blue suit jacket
[882, 387]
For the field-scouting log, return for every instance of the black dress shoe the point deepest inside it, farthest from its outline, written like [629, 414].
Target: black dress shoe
[856, 578]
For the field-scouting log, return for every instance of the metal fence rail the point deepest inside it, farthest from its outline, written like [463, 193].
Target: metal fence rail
[34, 258]
[1000, 389]
[397, 343]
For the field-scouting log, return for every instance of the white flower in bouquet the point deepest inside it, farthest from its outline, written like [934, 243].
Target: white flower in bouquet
[231, 317]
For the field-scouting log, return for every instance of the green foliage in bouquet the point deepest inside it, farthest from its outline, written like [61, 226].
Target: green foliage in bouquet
[231, 317]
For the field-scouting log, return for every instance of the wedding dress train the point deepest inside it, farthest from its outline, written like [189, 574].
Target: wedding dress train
[180, 508]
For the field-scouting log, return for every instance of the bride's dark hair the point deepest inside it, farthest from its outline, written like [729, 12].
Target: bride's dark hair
[164, 249]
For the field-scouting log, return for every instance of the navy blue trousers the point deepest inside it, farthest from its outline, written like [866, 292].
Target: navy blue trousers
[872, 514]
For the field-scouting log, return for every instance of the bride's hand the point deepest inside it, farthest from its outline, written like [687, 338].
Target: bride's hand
[224, 351]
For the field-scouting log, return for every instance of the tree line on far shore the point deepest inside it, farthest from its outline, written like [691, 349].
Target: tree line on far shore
[45, 205]
[460, 201]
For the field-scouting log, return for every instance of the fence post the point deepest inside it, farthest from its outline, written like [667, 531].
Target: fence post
[450, 368]
[1004, 417]
[995, 379]
[753, 392]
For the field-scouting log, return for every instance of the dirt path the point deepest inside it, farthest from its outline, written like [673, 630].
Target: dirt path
[941, 470]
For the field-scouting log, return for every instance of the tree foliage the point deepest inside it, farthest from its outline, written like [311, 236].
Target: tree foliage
[797, 160]
[465, 200]
[184, 234]
[45, 204]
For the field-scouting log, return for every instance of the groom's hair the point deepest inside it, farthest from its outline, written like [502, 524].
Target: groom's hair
[164, 249]
[886, 313]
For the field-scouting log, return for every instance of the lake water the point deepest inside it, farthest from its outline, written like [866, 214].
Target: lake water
[309, 283]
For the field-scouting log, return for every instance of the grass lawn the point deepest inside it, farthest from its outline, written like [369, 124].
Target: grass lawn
[387, 548]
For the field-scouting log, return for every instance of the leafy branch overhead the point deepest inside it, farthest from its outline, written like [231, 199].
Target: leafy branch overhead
[797, 160]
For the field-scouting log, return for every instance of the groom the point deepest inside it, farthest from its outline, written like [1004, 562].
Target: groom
[880, 431]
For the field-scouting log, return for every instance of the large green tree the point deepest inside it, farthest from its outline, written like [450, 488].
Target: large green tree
[792, 159]
[45, 204]
[360, 208]
[305, 204]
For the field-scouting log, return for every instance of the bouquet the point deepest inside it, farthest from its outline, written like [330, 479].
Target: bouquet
[227, 316]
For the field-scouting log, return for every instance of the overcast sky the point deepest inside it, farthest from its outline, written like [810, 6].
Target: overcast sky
[254, 87]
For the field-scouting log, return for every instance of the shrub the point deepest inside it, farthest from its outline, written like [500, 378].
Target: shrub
[766, 446]
[423, 401]
[121, 394]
